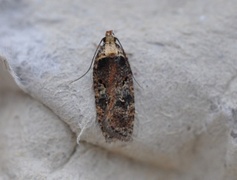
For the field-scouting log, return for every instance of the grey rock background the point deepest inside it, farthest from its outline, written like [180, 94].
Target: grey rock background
[182, 53]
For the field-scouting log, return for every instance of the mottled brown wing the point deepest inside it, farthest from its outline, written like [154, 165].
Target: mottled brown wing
[114, 97]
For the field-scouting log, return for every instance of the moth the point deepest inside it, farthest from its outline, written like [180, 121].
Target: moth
[113, 88]
[114, 92]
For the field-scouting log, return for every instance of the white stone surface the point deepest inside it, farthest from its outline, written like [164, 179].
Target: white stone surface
[182, 53]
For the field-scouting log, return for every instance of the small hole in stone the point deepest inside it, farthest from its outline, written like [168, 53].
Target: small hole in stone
[188, 128]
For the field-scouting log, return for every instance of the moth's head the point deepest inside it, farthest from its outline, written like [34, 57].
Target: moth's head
[109, 37]
[109, 33]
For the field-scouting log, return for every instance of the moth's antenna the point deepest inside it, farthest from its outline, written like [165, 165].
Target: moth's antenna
[126, 57]
[120, 45]
[91, 62]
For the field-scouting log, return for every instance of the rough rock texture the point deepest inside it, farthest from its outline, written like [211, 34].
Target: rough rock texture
[182, 53]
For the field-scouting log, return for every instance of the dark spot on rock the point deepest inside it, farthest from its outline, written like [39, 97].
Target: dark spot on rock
[188, 128]
[233, 134]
